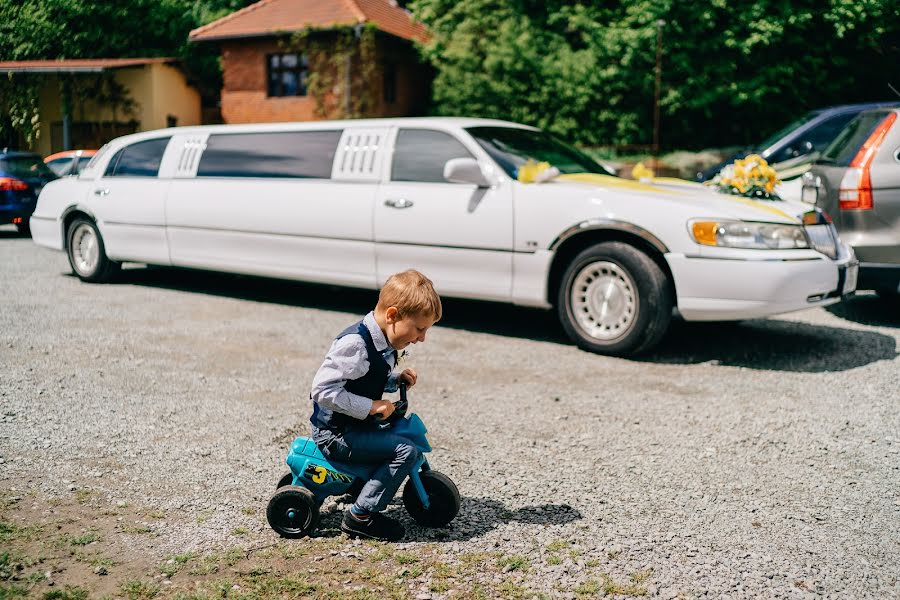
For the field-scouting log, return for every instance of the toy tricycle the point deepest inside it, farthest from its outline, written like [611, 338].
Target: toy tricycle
[430, 497]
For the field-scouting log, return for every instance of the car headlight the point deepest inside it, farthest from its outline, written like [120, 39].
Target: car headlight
[744, 234]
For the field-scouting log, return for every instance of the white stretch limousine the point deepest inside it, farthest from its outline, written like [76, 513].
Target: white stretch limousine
[487, 209]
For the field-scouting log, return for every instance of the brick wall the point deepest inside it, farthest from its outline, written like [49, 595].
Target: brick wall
[245, 98]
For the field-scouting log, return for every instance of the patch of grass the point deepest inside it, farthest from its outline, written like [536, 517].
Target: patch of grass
[508, 589]
[204, 516]
[513, 563]
[439, 585]
[84, 540]
[207, 565]
[558, 545]
[11, 531]
[84, 496]
[641, 576]
[233, 556]
[406, 559]
[554, 559]
[476, 558]
[413, 572]
[575, 553]
[136, 529]
[272, 585]
[613, 587]
[12, 591]
[239, 531]
[67, 593]
[247, 510]
[135, 589]
[156, 513]
[613, 554]
[591, 563]
[95, 560]
[591, 587]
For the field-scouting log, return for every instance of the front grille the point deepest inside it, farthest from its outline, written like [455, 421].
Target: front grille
[823, 238]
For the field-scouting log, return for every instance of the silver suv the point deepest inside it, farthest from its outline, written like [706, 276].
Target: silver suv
[857, 182]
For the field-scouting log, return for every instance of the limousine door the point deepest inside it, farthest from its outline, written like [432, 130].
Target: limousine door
[458, 235]
[128, 201]
[263, 202]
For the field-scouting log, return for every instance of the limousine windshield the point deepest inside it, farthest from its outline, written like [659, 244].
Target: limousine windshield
[512, 147]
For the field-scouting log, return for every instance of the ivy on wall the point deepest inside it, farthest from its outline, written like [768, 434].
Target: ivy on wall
[342, 60]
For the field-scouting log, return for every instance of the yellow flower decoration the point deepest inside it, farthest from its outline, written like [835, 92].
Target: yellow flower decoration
[749, 176]
[641, 172]
[529, 172]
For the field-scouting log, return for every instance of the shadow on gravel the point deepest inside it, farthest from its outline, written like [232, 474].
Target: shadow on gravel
[485, 317]
[869, 310]
[774, 345]
[477, 516]
[758, 344]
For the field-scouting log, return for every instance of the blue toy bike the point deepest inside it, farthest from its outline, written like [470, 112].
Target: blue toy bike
[430, 497]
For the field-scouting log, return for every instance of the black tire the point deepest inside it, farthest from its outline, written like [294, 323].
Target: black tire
[637, 300]
[286, 479]
[24, 228]
[443, 500]
[293, 512]
[87, 254]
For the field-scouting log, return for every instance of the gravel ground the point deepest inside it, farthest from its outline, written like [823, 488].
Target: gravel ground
[759, 459]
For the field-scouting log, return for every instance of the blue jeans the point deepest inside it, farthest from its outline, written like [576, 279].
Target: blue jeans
[394, 455]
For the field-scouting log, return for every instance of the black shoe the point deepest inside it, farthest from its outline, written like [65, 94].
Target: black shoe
[376, 527]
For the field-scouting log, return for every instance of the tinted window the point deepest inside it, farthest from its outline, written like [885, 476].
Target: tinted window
[420, 155]
[512, 147]
[279, 154]
[138, 160]
[852, 137]
[818, 137]
[26, 167]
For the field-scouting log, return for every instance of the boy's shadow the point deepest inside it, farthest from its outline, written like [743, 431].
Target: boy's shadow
[477, 516]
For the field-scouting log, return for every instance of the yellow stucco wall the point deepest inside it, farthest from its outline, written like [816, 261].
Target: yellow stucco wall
[158, 91]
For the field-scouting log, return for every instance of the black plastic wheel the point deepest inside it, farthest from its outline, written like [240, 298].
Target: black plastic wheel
[443, 499]
[87, 253]
[292, 512]
[614, 299]
[286, 479]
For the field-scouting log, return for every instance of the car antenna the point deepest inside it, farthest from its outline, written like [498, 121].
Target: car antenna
[893, 89]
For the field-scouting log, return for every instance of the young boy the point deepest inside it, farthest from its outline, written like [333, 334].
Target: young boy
[347, 403]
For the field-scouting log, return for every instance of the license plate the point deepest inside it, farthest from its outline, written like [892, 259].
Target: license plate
[851, 274]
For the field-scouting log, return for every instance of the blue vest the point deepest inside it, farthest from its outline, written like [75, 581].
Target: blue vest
[371, 385]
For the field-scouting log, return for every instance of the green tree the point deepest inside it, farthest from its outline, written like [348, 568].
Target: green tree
[57, 29]
[732, 71]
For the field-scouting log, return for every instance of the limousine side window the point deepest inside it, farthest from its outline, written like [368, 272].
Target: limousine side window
[307, 154]
[420, 155]
[138, 160]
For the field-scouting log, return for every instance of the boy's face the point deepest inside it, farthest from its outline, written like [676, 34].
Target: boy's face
[408, 330]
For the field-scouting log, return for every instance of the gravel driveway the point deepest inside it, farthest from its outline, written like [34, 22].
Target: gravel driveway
[759, 459]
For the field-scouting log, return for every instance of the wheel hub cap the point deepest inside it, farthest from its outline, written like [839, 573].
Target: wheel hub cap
[85, 250]
[604, 300]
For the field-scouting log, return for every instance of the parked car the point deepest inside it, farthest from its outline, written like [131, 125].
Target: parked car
[351, 202]
[857, 181]
[808, 134]
[22, 176]
[69, 162]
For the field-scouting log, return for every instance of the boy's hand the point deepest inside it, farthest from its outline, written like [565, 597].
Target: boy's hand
[408, 376]
[382, 409]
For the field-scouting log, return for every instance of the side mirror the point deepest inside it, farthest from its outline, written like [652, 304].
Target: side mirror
[810, 191]
[465, 170]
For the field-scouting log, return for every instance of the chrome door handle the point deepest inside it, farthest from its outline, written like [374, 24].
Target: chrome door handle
[101, 192]
[398, 203]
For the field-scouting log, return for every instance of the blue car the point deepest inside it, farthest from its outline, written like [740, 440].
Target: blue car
[22, 176]
[810, 133]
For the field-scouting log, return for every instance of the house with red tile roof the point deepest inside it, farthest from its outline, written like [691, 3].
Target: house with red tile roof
[85, 102]
[300, 60]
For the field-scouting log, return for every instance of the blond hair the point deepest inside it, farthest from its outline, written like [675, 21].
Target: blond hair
[412, 293]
